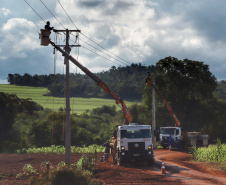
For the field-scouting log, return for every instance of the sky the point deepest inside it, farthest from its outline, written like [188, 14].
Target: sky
[113, 33]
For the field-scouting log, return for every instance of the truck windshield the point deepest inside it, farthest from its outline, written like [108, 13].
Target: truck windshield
[167, 131]
[140, 133]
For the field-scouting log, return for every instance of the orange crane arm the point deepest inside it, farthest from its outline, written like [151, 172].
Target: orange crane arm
[128, 117]
[148, 82]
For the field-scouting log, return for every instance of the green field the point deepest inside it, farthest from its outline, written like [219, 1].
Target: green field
[78, 105]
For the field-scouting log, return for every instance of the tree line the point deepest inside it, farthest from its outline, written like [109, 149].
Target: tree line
[127, 81]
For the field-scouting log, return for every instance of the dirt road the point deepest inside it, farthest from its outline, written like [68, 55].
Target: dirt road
[179, 169]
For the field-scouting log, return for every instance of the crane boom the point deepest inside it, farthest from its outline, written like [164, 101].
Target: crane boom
[128, 117]
[148, 82]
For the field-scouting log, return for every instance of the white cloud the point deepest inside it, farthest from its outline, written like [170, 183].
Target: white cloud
[137, 31]
[5, 11]
[19, 38]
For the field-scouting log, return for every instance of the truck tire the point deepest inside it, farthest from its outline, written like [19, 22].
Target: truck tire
[151, 162]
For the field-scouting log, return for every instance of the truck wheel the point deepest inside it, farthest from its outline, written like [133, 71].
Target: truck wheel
[151, 162]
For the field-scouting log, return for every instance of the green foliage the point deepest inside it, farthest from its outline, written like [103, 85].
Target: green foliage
[127, 81]
[74, 174]
[10, 107]
[221, 90]
[213, 153]
[188, 87]
[28, 170]
[105, 109]
[61, 149]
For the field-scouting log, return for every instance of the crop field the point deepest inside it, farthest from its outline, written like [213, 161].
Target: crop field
[78, 105]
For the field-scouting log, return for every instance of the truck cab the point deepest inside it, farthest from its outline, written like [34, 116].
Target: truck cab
[134, 142]
[185, 139]
[166, 132]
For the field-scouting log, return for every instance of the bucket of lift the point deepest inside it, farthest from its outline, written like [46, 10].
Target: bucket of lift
[44, 37]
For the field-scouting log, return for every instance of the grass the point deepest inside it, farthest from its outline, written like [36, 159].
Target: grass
[78, 105]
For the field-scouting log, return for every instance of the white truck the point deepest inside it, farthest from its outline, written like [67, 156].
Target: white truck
[181, 139]
[132, 142]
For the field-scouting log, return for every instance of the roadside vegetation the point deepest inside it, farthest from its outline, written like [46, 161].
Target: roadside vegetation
[213, 153]
[79, 173]
[61, 149]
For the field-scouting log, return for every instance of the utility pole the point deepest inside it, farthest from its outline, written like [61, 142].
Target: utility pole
[67, 95]
[45, 40]
[153, 113]
[67, 49]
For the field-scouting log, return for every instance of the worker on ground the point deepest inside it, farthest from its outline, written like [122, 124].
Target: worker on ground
[107, 150]
[170, 143]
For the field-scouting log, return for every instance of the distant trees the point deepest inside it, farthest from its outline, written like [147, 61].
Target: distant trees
[221, 90]
[127, 81]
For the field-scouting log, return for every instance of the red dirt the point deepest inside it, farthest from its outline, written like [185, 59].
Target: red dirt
[179, 169]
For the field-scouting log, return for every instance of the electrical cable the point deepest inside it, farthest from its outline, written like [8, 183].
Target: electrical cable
[52, 14]
[95, 42]
[72, 34]
[91, 39]
[100, 55]
[83, 35]
[34, 11]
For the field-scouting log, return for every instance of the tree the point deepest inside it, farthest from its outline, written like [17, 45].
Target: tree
[185, 84]
[187, 78]
[10, 107]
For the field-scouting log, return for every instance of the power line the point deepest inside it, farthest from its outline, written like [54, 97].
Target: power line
[138, 68]
[73, 35]
[83, 35]
[93, 40]
[34, 11]
[67, 14]
[100, 55]
[52, 14]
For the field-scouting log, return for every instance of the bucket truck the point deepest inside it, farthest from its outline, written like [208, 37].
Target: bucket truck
[182, 139]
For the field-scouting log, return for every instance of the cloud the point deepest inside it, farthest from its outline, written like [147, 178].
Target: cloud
[18, 39]
[5, 11]
[143, 31]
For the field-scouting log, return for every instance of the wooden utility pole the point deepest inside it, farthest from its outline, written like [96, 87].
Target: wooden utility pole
[153, 113]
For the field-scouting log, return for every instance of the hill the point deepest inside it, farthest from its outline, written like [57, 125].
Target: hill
[78, 105]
